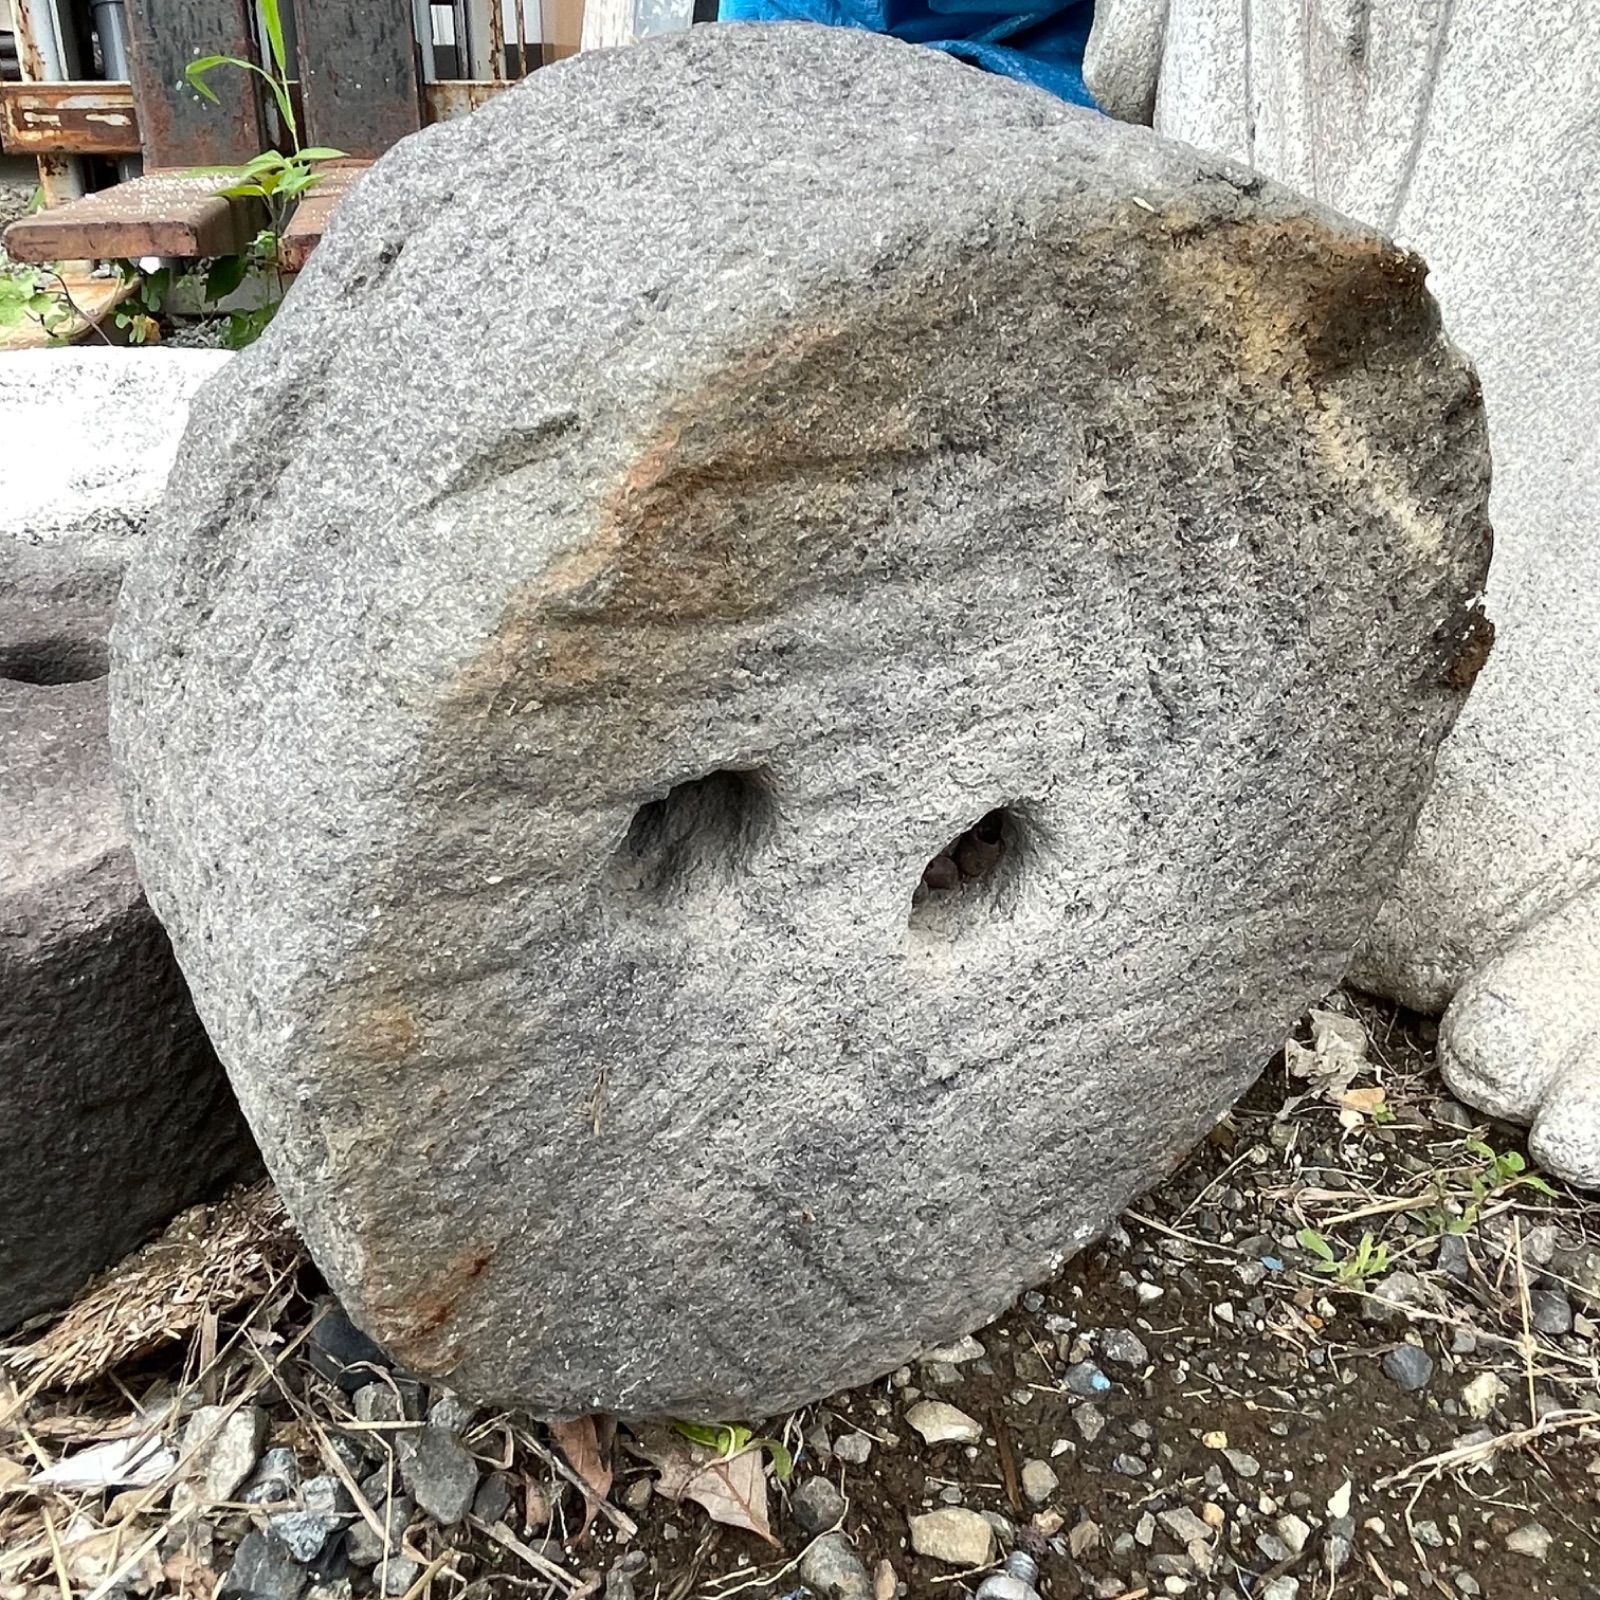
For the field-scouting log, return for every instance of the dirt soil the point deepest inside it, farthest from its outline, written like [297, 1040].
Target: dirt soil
[1345, 1351]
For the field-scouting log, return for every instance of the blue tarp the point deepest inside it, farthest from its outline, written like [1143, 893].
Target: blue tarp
[1041, 44]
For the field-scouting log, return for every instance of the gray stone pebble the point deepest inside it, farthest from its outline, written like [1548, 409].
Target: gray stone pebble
[832, 1570]
[1086, 1379]
[817, 1505]
[1409, 1367]
[439, 1472]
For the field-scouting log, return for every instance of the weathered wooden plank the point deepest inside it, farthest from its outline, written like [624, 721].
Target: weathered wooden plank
[160, 214]
[358, 74]
[79, 119]
[310, 219]
[177, 127]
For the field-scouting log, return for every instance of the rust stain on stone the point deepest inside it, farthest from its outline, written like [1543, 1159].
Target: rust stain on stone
[707, 527]
[415, 1326]
[382, 1033]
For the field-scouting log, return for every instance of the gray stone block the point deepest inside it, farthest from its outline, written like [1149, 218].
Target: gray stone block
[114, 1113]
[540, 710]
[1466, 134]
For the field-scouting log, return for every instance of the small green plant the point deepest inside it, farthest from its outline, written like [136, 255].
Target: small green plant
[1460, 1194]
[26, 295]
[1369, 1259]
[276, 179]
[729, 1439]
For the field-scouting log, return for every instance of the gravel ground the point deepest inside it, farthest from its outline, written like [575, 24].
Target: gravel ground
[1345, 1351]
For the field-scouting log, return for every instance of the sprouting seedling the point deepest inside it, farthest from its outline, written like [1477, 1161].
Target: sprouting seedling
[1369, 1259]
[277, 79]
[730, 1439]
[271, 177]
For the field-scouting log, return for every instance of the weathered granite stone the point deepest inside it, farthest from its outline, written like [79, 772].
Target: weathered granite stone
[1472, 137]
[827, 458]
[114, 1113]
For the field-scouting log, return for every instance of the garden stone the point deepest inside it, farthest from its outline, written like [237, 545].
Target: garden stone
[1039, 1481]
[546, 727]
[1394, 113]
[220, 1449]
[264, 1568]
[394, 1513]
[114, 1113]
[939, 1423]
[1409, 1366]
[817, 1505]
[832, 1570]
[440, 1473]
[954, 1535]
[341, 1352]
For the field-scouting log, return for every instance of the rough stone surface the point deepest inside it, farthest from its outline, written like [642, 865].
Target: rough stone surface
[221, 1447]
[941, 1423]
[440, 1473]
[832, 1570]
[264, 1568]
[1409, 1366]
[1399, 116]
[817, 1505]
[114, 1113]
[538, 766]
[954, 1535]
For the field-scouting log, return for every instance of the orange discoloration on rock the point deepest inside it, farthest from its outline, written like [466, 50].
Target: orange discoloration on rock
[706, 529]
[414, 1326]
[1297, 301]
[385, 1032]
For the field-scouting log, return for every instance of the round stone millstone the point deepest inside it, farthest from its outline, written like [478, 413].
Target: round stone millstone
[770, 690]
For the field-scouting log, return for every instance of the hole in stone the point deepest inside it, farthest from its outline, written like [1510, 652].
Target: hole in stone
[976, 862]
[696, 834]
[55, 660]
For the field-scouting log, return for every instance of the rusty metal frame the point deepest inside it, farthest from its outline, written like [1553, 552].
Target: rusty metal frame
[59, 176]
[86, 118]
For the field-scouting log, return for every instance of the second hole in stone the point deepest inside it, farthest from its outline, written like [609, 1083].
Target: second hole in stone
[970, 857]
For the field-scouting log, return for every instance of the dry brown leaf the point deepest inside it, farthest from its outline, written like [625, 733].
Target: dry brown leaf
[1366, 1100]
[580, 1442]
[731, 1489]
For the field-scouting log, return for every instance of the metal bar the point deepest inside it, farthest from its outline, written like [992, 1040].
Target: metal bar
[358, 76]
[79, 119]
[178, 127]
[39, 57]
[312, 215]
[457, 97]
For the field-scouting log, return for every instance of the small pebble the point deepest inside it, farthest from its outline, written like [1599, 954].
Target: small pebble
[1551, 1311]
[1409, 1367]
[1090, 1422]
[832, 1570]
[817, 1504]
[1532, 1540]
[854, 1448]
[1086, 1379]
[941, 1423]
[1039, 1481]
[1124, 1347]
[954, 1535]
